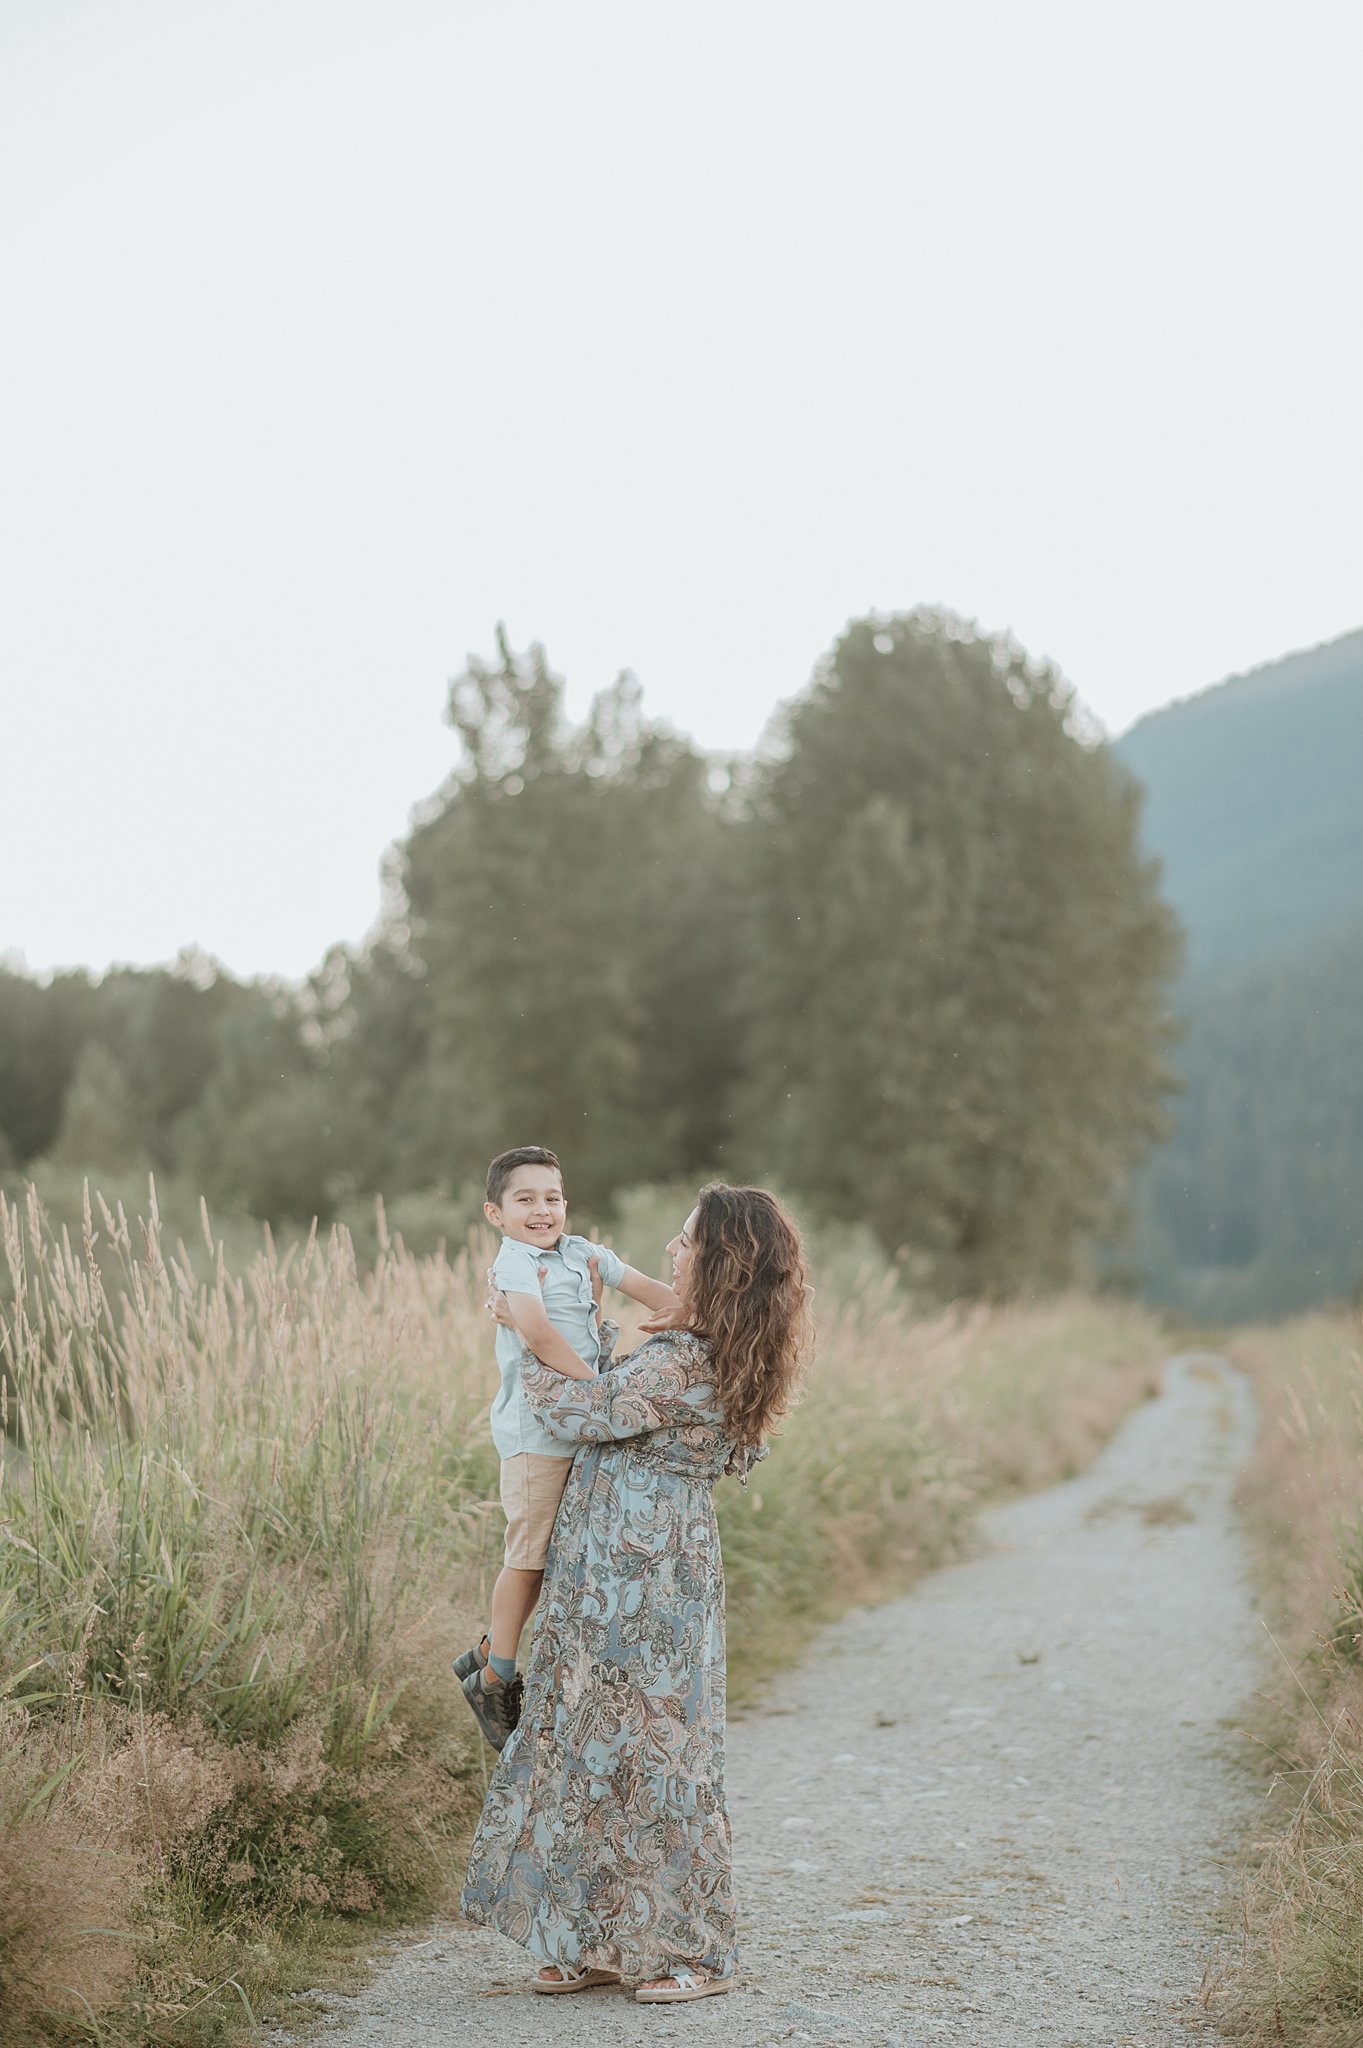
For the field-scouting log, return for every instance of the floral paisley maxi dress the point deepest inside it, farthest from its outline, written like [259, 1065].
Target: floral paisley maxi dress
[604, 1840]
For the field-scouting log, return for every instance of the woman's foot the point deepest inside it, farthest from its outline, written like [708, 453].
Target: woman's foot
[681, 1986]
[553, 1979]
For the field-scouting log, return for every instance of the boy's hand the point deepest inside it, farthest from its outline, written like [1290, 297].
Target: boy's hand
[598, 1284]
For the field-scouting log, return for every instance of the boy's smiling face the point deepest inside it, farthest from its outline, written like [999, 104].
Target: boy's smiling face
[532, 1209]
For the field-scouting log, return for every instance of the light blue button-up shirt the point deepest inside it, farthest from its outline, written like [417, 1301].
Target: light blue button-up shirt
[569, 1304]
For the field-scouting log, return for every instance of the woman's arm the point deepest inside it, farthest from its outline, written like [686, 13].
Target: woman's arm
[651, 1389]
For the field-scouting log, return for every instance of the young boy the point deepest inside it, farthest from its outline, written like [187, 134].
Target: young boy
[547, 1278]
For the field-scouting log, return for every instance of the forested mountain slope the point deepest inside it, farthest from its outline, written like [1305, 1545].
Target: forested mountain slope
[1255, 1205]
[1254, 803]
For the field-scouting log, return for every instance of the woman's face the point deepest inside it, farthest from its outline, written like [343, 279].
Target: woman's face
[682, 1250]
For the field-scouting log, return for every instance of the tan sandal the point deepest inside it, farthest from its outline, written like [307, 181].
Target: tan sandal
[680, 1986]
[572, 1980]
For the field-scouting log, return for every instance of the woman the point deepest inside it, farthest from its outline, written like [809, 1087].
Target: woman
[603, 1846]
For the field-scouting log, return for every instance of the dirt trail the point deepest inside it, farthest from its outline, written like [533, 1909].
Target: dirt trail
[998, 1812]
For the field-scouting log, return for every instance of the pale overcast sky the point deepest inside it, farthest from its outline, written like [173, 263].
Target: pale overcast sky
[674, 335]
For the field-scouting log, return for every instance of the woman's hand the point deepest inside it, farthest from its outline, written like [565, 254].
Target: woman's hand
[496, 1304]
[673, 1316]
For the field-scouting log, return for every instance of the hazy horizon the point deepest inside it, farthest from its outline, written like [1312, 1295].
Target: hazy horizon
[673, 342]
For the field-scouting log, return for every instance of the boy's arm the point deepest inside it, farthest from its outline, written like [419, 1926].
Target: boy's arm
[654, 1294]
[549, 1345]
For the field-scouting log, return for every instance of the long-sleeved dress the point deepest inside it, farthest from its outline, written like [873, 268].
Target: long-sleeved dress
[604, 1840]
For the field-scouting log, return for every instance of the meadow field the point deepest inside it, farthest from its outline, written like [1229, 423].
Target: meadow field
[1298, 1974]
[246, 1518]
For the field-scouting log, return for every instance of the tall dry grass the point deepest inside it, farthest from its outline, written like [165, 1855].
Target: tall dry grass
[1298, 1978]
[245, 1520]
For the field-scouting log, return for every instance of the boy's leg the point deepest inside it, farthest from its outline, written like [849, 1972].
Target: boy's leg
[531, 1488]
[513, 1603]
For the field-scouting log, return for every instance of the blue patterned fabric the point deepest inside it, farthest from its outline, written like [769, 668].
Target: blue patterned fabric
[604, 1840]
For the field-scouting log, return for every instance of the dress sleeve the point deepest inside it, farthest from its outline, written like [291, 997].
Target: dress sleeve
[744, 1457]
[656, 1387]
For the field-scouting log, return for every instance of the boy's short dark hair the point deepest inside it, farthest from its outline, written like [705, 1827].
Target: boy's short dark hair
[505, 1164]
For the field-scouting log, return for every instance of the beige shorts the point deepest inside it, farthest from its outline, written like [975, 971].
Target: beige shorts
[532, 1487]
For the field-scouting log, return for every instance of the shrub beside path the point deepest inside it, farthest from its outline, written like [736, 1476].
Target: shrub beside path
[1002, 1811]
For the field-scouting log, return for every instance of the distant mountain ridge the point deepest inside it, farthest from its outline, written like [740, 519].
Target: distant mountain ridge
[1254, 802]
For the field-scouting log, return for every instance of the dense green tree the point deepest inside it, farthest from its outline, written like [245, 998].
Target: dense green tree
[152, 1039]
[957, 1000]
[266, 1133]
[42, 1029]
[367, 1011]
[568, 907]
[165, 1028]
[98, 1127]
[909, 961]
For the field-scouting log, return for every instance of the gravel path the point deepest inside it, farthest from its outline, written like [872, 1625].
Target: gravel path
[1018, 1830]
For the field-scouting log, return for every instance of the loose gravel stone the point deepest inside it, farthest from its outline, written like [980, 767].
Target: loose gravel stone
[1017, 1833]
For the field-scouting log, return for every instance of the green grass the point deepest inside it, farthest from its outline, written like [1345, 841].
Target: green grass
[246, 1518]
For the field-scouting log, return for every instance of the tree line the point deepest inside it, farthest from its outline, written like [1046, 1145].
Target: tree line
[1255, 1206]
[907, 961]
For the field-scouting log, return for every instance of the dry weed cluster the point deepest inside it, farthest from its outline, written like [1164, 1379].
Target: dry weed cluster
[245, 1520]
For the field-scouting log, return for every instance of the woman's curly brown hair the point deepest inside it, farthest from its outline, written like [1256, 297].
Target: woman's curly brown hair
[748, 1296]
